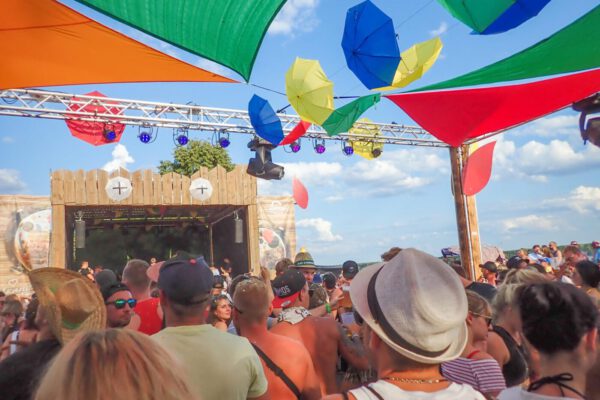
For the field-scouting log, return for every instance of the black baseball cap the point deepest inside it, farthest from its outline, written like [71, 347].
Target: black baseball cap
[112, 288]
[490, 266]
[329, 280]
[287, 287]
[186, 281]
[218, 282]
[514, 261]
[349, 269]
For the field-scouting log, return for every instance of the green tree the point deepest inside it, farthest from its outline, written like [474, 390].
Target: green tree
[197, 153]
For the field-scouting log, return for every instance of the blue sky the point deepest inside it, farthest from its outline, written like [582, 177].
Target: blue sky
[545, 184]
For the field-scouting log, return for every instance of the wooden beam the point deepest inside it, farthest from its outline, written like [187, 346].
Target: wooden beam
[460, 205]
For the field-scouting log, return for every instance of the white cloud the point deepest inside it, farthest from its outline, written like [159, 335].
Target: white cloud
[120, 159]
[334, 198]
[583, 199]
[558, 125]
[528, 223]
[443, 28]
[321, 227]
[10, 182]
[8, 139]
[534, 160]
[311, 174]
[295, 16]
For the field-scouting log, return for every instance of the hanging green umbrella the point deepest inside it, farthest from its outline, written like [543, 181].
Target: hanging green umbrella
[342, 119]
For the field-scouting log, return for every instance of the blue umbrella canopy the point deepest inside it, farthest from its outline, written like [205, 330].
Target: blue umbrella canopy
[370, 45]
[264, 120]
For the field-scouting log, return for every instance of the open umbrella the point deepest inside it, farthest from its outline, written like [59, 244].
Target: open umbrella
[300, 193]
[96, 133]
[415, 61]
[370, 46]
[264, 120]
[309, 91]
[342, 119]
[364, 147]
[478, 169]
[298, 131]
[515, 15]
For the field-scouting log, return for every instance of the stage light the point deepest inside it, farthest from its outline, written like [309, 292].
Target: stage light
[590, 131]
[295, 147]
[224, 142]
[180, 136]
[182, 140]
[376, 152]
[319, 147]
[109, 133]
[348, 149]
[262, 166]
[145, 137]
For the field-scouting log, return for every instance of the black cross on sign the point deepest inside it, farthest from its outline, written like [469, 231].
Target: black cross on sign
[119, 188]
[202, 189]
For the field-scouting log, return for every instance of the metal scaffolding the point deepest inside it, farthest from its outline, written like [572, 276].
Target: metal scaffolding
[65, 106]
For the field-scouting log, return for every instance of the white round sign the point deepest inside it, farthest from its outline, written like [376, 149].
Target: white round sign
[201, 189]
[118, 188]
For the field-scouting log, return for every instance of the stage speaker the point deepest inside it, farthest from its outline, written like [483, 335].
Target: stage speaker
[238, 231]
[80, 234]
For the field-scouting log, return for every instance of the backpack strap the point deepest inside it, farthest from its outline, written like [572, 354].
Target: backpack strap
[278, 371]
[374, 392]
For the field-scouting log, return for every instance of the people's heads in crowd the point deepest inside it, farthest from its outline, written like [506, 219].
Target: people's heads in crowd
[349, 270]
[317, 295]
[98, 269]
[135, 276]
[546, 251]
[559, 318]
[488, 268]
[153, 260]
[391, 253]
[291, 289]
[553, 246]
[479, 317]
[517, 262]
[304, 262]
[329, 281]
[537, 249]
[31, 313]
[572, 255]
[574, 243]
[318, 278]
[85, 264]
[69, 302]
[2, 297]
[11, 311]
[105, 278]
[184, 286]
[596, 244]
[218, 285]
[521, 253]
[586, 274]
[252, 303]
[116, 364]
[220, 308]
[504, 303]
[119, 305]
[399, 302]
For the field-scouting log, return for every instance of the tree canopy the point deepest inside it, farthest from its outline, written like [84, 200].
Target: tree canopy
[198, 153]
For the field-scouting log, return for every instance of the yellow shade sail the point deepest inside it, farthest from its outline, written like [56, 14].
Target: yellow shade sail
[44, 43]
[309, 91]
[414, 62]
[366, 148]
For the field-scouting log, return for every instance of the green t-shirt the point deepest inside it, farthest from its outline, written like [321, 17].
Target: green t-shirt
[219, 365]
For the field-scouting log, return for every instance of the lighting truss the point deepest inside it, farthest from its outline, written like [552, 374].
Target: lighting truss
[55, 105]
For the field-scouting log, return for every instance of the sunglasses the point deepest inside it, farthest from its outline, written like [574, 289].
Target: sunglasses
[119, 304]
[488, 319]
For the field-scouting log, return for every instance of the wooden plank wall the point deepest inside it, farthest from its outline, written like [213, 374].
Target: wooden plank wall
[87, 188]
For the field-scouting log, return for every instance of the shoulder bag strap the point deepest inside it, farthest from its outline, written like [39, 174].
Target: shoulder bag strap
[277, 371]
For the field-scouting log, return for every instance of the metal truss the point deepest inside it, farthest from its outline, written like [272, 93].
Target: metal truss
[64, 106]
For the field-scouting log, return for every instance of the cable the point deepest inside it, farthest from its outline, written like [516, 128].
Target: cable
[265, 88]
[412, 15]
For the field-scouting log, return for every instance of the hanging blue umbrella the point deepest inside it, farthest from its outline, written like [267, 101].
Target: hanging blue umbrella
[264, 120]
[370, 45]
[515, 15]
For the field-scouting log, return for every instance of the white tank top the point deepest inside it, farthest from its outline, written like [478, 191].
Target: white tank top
[388, 391]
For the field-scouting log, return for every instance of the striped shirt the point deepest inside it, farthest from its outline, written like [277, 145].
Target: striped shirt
[484, 375]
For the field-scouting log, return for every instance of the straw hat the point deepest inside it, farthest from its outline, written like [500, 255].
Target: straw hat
[304, 260]
[416, 304]
[73, 302]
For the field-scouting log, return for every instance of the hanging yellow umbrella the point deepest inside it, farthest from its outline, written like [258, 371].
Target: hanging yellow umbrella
[414, 62]
[309, 91]
[364, 147]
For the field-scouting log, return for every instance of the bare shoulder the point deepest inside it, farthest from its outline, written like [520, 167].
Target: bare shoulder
[482, 355]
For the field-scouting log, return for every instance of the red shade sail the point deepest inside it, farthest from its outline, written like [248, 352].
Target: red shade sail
[454, 116]
[94, 132]
[478, 170]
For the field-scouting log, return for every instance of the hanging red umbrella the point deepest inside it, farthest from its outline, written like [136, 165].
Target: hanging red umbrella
[96, 133]
[300, 193]
[296, 133]
[478, 170]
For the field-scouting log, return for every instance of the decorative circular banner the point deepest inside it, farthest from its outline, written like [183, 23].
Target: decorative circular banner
[32, 240]
[118, 188]
[201, 189]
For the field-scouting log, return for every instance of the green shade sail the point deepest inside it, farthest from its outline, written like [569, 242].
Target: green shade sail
[342, 119]
[573, 48]
[228, 32]
[477, 14]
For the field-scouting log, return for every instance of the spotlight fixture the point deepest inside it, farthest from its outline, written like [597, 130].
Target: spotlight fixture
[295, 147]
[347, 149]
[180, 136]
[146, 134]
[109, 133]
[262, 166]
[376, 152]
[590, 131]
[319, 146]
[224, 139]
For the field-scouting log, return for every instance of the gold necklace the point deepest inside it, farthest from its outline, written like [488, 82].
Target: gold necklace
[413, 380]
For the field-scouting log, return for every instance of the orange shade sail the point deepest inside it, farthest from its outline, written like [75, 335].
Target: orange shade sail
[44, 43]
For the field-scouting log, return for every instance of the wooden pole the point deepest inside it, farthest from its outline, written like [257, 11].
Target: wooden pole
[474, 238]
[210, 240]
[456, 154]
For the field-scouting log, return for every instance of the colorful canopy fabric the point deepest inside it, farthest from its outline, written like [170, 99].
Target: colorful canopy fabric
[364, 147]
[93, 132]
[228, 32]
[44, 43]
[456, 115]
[370, 46]
[493, 16]
[478, 170]
[264, 120]
[574, 48]
[342, 119]
[414, 62]
[309, 91]
[296, 133]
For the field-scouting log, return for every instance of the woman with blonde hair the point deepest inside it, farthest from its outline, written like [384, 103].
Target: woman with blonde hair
[220, 312]
[115, 364]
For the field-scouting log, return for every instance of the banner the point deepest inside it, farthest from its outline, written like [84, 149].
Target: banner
[277, 229]
[25, 223]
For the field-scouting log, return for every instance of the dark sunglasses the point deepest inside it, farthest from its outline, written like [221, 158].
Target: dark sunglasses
[488, 319]
[119, 304]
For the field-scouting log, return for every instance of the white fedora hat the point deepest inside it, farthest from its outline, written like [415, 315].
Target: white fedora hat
[416, 304]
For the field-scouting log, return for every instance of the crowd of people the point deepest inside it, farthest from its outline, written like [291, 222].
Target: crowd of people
[409, 327]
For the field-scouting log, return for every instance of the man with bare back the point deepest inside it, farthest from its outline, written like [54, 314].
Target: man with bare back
[323, 337]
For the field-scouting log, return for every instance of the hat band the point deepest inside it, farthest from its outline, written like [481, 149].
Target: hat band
[387, 328]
